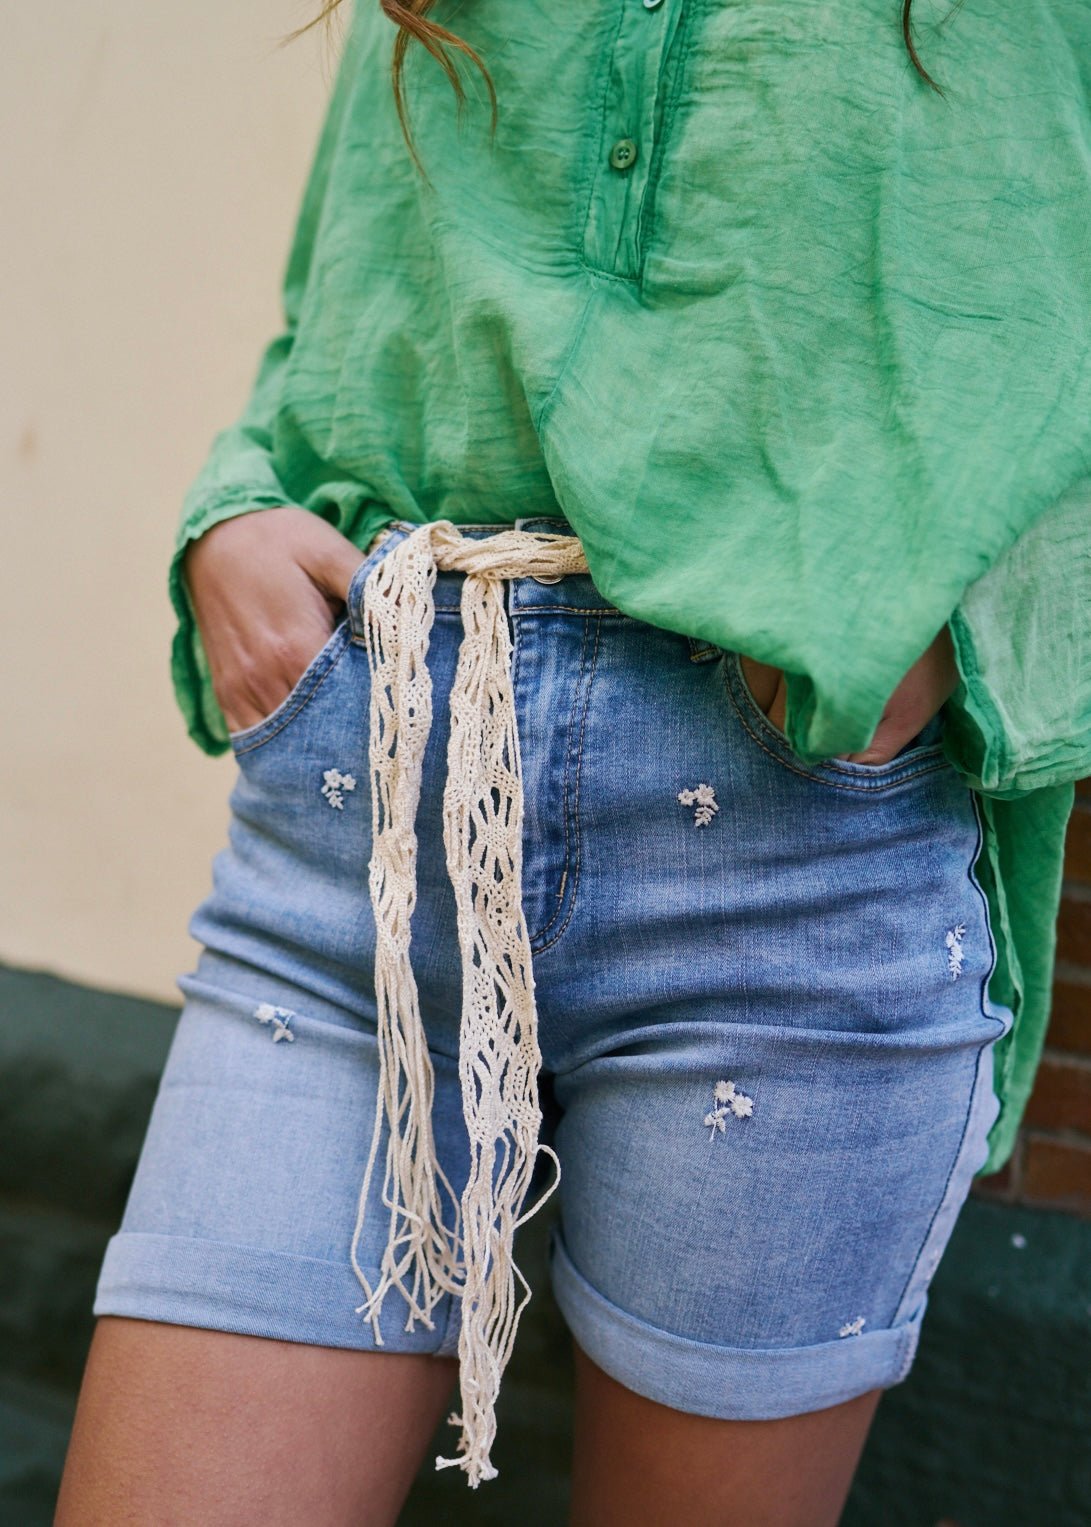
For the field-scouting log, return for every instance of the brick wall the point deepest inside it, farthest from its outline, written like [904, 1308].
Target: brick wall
[1051, 1163]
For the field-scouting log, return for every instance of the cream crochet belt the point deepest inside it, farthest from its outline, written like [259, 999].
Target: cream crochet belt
[471, 1256]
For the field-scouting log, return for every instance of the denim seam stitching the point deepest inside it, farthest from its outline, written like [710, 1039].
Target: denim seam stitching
[985, 1043]
[576, 798]
[955, 1159]
[542, 933]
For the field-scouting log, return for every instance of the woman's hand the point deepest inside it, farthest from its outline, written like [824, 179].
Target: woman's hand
[267, 589]
[930, 681]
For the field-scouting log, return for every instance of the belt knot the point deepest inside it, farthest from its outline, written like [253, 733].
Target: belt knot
[506, 554]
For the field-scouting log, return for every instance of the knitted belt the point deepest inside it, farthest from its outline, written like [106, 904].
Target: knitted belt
[499, 1058]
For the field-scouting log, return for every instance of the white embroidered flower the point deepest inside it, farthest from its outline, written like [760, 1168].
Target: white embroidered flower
[703, 797]
[279, 1017]
[333, 783]
[955, 954]
[728, 1100]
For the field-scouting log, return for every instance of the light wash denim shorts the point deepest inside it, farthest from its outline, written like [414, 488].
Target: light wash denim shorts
[762, 1005]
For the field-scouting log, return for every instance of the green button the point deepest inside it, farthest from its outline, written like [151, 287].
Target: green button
[623, 154]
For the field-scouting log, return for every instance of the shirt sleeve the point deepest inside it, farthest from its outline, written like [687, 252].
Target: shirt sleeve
[1020, 718]
[239, 473]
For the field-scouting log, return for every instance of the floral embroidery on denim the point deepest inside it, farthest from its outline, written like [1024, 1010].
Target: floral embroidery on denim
[727, 1099]
[703, 797]
[279, 1017]
[954, 949]
[333, 784]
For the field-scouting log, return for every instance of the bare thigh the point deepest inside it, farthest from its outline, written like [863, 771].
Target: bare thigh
[641, 1464]
[177, 1425]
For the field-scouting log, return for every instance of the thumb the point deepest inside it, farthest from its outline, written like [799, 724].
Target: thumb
[331, 564]
[342, 567]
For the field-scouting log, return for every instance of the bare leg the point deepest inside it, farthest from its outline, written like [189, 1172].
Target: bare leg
[640, 1464]
[177, 1425]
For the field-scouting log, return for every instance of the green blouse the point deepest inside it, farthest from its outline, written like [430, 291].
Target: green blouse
[800, 348]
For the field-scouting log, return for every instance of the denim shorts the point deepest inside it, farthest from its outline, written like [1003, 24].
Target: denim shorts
[762, 1008]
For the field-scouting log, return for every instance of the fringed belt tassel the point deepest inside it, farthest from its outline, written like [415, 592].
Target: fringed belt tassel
[499, 1058]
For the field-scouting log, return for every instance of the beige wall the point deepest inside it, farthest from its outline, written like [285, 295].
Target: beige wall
[152, 157]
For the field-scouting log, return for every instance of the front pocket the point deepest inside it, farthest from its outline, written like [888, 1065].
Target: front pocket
[297, 697]
[920, 755]
[326, 658]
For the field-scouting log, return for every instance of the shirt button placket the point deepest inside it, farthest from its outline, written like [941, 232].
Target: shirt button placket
[633, 104]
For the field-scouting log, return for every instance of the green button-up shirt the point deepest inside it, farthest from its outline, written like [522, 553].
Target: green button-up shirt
[800, 348]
